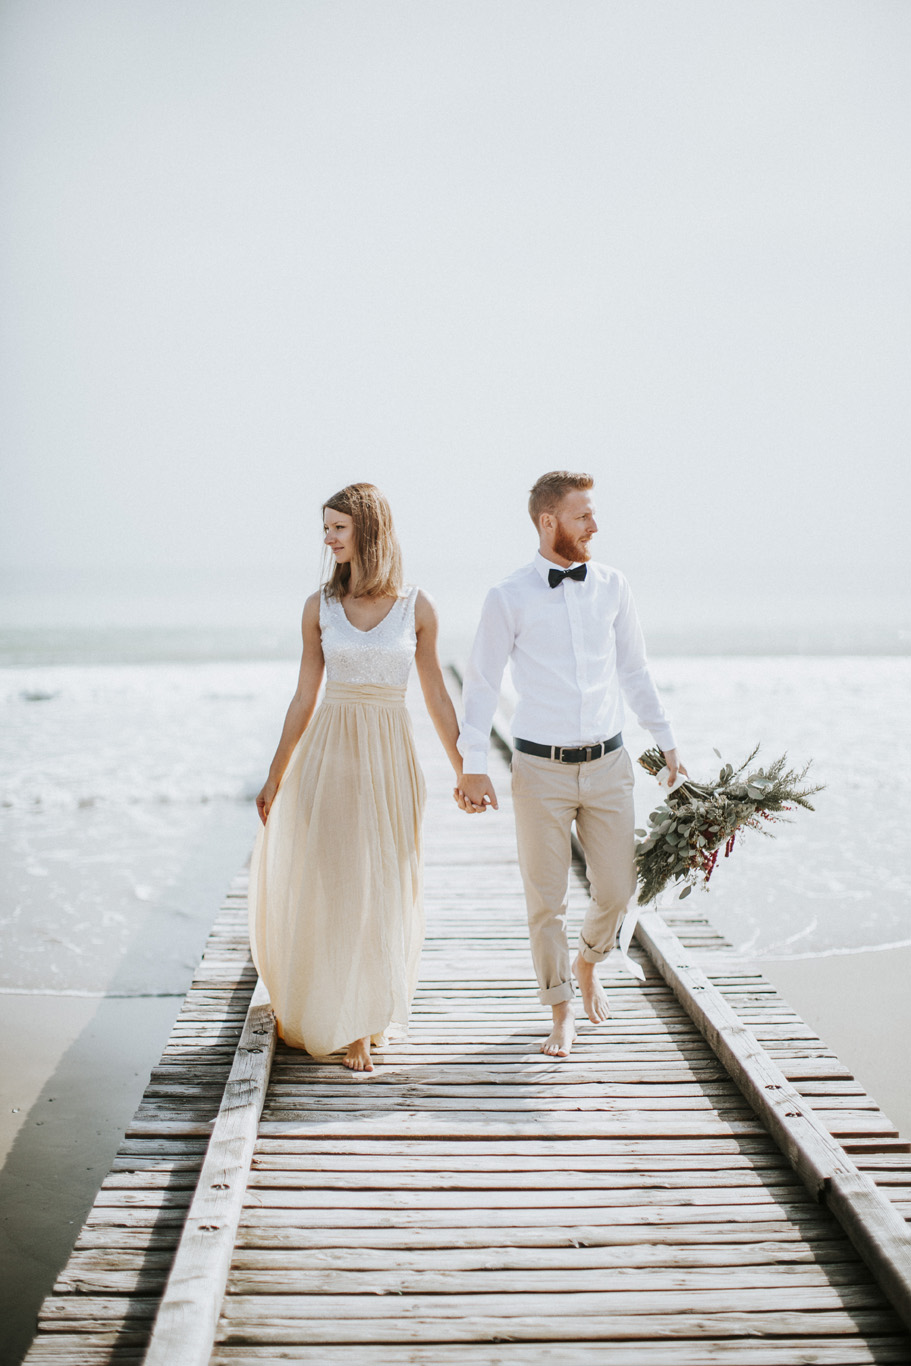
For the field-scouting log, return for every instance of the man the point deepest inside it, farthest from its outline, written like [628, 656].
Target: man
[569, 629]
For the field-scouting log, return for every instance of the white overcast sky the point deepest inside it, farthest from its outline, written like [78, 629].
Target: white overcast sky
[252, 252]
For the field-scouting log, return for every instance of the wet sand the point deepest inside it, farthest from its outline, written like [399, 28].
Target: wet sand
[860, 1004]
[78, 1070]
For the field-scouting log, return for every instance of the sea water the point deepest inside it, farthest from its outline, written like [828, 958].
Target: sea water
[126, 803]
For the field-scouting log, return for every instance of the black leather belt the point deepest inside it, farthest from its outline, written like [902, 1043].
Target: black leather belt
[566, 754]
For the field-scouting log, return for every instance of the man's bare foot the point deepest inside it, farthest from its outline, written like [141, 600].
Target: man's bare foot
[358, 1055]
[560, 1040]
[594, 1001]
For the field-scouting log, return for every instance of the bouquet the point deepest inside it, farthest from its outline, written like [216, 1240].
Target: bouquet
[697, 820]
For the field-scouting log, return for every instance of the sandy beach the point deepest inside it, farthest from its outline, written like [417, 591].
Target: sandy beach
[860, 1004]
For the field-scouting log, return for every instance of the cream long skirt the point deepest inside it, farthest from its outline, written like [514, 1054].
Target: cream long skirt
[336, 910]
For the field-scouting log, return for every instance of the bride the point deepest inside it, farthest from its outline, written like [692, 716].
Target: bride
[336, 915]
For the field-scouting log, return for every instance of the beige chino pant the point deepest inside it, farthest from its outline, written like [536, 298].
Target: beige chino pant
[547, 797]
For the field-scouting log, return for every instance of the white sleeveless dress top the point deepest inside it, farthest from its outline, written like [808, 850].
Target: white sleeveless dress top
[381, 657]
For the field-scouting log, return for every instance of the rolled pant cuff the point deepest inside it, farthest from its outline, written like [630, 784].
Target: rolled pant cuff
[554, 996]
[591, 955]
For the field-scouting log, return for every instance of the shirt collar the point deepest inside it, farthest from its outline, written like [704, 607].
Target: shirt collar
[545, 566]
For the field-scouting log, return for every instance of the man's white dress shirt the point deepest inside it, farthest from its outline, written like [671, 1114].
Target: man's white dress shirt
[573, 650]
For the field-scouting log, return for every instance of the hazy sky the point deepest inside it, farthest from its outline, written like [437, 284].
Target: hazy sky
[252, 252]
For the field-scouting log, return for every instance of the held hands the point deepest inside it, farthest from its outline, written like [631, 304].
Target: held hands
[475, 793]
[266, 798]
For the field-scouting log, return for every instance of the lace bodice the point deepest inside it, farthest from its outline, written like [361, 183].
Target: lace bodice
[382, 655]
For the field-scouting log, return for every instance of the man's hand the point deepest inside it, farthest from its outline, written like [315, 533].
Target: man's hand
[674, 766]
[475, 793]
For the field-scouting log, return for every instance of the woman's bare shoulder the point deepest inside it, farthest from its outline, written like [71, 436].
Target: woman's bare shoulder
[425, 609]
[311, 610]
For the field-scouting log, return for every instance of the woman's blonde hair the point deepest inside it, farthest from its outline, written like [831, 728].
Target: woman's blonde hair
[375, 570]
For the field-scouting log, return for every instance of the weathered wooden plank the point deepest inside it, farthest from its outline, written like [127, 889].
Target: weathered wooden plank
[289, 1103]
[436, 1218]
[563, 1147]
[780, 1255]
[562, 1199]
[280, 1281]
[518, 1183]
[487, 1168]
[563, 1326]
[705, 1352]
[813, 1229]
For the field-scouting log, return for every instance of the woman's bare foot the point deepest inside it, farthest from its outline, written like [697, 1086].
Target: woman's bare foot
[594, 1001]
[358, 1055]
[560, 1040]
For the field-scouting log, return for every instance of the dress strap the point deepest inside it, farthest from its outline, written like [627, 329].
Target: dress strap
[323, 609]
[410, 604]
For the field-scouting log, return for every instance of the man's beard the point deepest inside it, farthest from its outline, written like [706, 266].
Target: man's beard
[568, 549]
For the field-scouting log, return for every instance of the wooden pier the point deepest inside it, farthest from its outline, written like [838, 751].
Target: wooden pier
[474, 1202]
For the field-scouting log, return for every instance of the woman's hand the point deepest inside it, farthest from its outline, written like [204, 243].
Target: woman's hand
[266, 798]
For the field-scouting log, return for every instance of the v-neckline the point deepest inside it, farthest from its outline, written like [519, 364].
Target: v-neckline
[369, 629]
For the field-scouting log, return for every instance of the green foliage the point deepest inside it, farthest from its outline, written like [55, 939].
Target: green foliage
[697, 820]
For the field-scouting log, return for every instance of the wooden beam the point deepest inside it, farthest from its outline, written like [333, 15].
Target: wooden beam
[184, 1331]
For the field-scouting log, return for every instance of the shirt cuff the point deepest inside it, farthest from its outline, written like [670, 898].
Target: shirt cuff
[475, 761]
[664, 738]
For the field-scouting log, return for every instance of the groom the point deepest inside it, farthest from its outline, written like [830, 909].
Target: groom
[569, 628]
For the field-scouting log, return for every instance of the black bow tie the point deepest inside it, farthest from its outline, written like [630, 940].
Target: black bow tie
[556, 576]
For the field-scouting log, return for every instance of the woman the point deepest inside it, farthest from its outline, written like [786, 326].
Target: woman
[336, 916]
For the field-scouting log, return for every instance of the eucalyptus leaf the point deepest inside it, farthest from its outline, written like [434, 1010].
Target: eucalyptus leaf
[686, 891]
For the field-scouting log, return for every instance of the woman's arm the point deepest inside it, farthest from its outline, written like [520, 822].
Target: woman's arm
[302, 705]
[436, 696]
